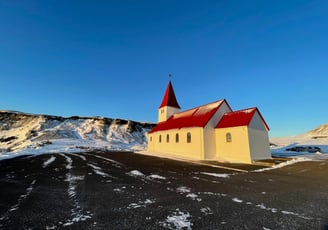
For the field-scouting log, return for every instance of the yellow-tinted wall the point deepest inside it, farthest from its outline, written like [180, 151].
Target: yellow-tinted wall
[237, 150]
[209, 143]
[193, 150]
[165, 112]
[248, 143]
[209, 132]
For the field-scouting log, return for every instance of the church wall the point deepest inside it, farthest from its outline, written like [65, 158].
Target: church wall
[258, 139]
[209, 132]
[257, 123]
[193, 150]
[259, 144]
[238, 149]
[209, 143]
[165, 112]
[224, 108]
[150, 144]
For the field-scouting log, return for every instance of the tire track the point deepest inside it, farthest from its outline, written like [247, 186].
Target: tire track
[16, 206]
[78, 214]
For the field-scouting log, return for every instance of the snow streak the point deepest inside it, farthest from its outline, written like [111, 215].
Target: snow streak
[79, 155]
[97, 170]
[192, 196]
[49, 161]
[260, 206]
[273, 210]
[77, 212]
[19, 202]
[221, 175]
[68, 160]
[155, 176]
[115, 163]
[141, 204]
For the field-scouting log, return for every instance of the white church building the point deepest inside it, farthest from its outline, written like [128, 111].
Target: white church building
[209, 132]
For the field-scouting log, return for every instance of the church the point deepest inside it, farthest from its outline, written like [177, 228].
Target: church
[209, 132]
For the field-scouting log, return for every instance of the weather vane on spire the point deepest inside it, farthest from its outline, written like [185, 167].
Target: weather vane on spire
[170, 75]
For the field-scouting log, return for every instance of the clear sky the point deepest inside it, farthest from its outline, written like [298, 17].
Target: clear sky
[112, 58]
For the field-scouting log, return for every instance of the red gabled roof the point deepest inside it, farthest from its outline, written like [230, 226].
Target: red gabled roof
[169, 98]
[196, 117]
[239, 118]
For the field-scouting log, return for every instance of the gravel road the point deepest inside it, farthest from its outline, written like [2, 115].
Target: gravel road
[123, 190]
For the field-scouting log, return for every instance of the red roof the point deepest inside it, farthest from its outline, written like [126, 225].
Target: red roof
[196, 117]
[169, 98]
[239, 118]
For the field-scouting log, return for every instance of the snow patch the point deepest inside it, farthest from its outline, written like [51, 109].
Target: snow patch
[178, 220]
[141, 204]
[194, 196]
[97, 170]
[115, 163]
[136, 173]
[94, 167]
[237, 200]
[273, 210]
[213, 194]
[290, 162]
[119, 190]
[154, 176]
[206, 211]
[183, 189]
[281, 144]
[143, 177]
[221, 175]
[49, 161]
[80, 156]
[68, 160]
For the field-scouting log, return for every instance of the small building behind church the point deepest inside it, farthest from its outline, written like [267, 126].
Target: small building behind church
[209, 132]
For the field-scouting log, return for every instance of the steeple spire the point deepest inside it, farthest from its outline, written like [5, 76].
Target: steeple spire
[169, 105]
[169, 98]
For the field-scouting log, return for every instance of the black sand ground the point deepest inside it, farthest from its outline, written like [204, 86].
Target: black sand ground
[87, 191]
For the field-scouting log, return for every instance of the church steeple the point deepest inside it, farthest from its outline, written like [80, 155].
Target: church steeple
[169, 98]
[169, 105]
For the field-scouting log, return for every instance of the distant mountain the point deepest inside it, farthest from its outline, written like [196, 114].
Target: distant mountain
[320, 132]
[30, 132]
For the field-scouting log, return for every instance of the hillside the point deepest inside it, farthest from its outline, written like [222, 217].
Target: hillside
[21, 132]
[319, 132]
[313, 144]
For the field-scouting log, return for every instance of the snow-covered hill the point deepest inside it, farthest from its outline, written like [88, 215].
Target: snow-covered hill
[305, 144]
[22, 133]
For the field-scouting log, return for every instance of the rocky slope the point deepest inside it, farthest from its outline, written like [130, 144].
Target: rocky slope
[21, 131]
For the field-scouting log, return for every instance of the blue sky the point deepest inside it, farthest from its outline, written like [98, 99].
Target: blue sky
[112, 58]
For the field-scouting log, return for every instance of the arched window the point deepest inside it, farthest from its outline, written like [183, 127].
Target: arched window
[188, 137]
[160, 138]
[151, 138]
[167, 138]
[228, 137]
[177, 137]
